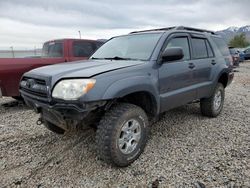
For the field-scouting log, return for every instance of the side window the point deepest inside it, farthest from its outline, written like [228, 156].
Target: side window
[199, 48]
[209, 49]
[98, 45]
[222, 46]
[52, 49]
[180, 42]
[83, 49]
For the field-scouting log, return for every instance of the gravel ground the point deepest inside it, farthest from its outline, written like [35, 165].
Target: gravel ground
[184, 150]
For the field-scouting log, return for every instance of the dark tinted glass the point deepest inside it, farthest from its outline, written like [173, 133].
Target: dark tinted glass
[180, 42]
[83, 49]
[52, 49]
[221, 45]
[98, 44]
[233, 51]
[199, 48]
[209, 50]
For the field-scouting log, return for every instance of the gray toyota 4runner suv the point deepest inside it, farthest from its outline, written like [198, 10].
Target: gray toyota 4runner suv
[128, 83]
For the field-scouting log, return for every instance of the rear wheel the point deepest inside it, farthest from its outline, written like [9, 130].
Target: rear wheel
[213, 105]
[122, 134]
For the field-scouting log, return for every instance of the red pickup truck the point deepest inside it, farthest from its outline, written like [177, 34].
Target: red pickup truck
[55, 51]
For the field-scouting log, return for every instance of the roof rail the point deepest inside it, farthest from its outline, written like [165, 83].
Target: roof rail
[176, 28]
[159, 29]
[194, 29]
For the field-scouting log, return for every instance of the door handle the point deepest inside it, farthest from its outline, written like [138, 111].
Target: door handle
[213, 62]
[191, 65]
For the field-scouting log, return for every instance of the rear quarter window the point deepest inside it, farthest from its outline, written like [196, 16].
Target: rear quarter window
[221, 45]
[232, 50]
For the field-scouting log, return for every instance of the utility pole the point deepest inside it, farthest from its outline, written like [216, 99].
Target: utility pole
[80, 34]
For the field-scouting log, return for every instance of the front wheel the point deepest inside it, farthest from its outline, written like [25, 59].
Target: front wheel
[122, 134]
[213, 105]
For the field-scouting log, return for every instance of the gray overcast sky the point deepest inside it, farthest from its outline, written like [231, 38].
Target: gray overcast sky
[28, 23]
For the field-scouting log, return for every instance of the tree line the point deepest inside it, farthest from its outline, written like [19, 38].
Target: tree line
[239, 41]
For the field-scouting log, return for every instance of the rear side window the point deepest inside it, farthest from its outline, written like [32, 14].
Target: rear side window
[221, 45]
[232, 51]
[83, 48]
[98, 45]
[52, 49]
[180, 42]
[199, 48]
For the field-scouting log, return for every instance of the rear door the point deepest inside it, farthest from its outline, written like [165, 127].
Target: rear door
[204, 61]
[176, 77]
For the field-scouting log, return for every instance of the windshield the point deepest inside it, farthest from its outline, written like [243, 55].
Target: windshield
[138, 47]
[52, 49]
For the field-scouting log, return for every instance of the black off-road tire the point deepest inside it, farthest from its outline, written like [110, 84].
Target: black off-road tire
[207, 105]
[109, 128]
[53, 127]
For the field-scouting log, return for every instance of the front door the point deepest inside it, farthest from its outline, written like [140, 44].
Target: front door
[176, 77]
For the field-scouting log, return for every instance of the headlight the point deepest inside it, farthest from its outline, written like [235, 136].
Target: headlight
[72, 89]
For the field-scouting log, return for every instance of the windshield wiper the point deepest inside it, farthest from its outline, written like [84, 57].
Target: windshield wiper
[117, 58]
[121, 58]
[96, 58]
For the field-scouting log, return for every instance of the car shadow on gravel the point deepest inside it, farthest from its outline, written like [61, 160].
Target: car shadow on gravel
[12, 106]
[177, 120]
[13, 103]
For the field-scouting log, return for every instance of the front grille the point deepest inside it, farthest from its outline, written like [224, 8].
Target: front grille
[38, 81]
[39, 94]
[34, 87]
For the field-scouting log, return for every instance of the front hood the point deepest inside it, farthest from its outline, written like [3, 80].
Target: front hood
[86, 68]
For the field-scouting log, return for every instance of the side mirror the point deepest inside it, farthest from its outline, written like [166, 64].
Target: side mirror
[172, 54]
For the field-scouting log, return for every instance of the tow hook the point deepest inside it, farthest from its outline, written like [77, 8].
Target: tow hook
[39, 121]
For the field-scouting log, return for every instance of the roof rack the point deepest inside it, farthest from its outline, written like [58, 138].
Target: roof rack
[176, 28]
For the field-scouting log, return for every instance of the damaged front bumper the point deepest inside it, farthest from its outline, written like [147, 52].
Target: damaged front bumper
[65, 115]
